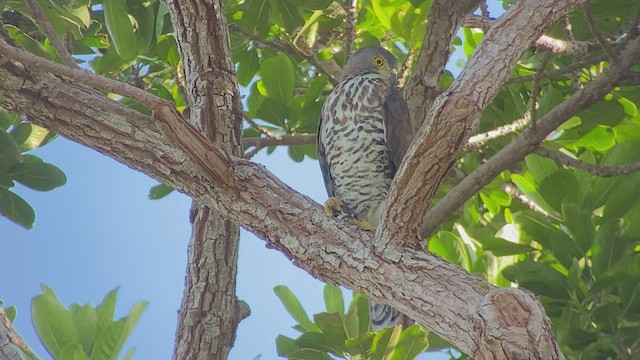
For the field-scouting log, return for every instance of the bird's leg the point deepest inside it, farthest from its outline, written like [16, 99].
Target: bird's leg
[334, 207]
[369, 222]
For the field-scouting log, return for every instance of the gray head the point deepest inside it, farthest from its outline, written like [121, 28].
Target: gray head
[371, 59]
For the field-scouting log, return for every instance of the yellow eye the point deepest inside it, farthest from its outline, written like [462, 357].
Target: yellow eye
[378, 61]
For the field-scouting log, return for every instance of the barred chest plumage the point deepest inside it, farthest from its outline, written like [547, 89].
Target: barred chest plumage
[358, 158]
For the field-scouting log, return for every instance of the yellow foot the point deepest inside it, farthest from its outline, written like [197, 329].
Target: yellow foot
[362, 224]
[334, 207]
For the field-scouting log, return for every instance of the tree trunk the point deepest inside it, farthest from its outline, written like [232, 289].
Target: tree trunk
[210, 311]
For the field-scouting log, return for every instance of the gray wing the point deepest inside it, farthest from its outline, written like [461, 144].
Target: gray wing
[399, 130]
[322, 159]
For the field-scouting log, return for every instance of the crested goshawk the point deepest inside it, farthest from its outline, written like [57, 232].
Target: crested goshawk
[363, 134]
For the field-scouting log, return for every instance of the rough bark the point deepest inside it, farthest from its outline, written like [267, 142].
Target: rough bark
[443, 22]
[454, 115]
[481, 320]
[10, 341]
[460, 307]
[210, 311]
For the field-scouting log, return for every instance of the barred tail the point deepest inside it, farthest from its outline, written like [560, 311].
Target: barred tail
[386, 316]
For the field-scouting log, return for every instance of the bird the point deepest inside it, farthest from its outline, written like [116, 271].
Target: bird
[363, 134]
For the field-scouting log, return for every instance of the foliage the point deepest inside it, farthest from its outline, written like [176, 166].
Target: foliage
[569, 236]
[80, 331]
[346, 335]
[18, 137]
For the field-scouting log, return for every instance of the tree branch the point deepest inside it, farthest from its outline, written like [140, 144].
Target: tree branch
[10, 340]
[530, 138]
[461, 308]
[444, 20]
[454, 115]
[42, 21]
[476, 142]
[599, 170]
[586, 9]
[210, 311]
[288, 140]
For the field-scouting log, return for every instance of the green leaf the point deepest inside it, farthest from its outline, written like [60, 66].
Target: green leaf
[609, 247]
[53, 323]
[120, 28]
[531, 192]
[285, 346]
[272, 111]
[85, 323]
[360, 345]
[10, 154]
[277, 78]
[310, 354]
[333, 299]
[106, 345]
[540, 167]
[38, 175]
[109, 342]
[73, 352]
[558, 187]
[14, 208]
[105, 311]
[255, 19]
[538, 277]
[356, 320]
[384, 343]
[333, 331]
[159, 191]
[502, 247]
[412, 342]
[293, 306]
[10, 312]
[287, 14]
[248, 66]
[322, 342]
[27, 42]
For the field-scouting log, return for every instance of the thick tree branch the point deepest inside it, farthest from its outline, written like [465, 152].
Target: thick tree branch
[210, 311]
[530, 138]
[454, 115]
[599, 170]
[463, 309]
[444, 20]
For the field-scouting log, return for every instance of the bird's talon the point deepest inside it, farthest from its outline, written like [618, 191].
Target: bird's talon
[334, 208]
[362, 224]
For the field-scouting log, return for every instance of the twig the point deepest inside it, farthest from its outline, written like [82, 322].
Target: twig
[558, 72]
[514, 192]
[251, 153]
[535, 87]
[9, 337]
[328, 67]
[478, 141]
[403, 75]
[529, 139]
[351, 8]
[297, 139]
[43, 22]
[259, 128]
[82, 76]
[586, 9]
[599, 170]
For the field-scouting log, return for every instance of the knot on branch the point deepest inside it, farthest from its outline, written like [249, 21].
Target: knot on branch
[514, 321]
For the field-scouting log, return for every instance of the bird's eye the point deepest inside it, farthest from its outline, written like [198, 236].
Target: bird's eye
[378, 60]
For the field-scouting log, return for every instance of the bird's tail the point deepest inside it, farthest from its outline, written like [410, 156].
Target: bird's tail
[385, 316]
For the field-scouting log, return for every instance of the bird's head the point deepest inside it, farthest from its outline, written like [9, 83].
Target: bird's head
[372, 59]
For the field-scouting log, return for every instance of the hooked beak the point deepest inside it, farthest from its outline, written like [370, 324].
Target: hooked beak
[393, 77]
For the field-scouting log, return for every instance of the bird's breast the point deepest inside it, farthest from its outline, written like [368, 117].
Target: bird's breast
[354, 138]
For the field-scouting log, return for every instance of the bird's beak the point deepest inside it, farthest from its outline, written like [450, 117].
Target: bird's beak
[393, 77]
